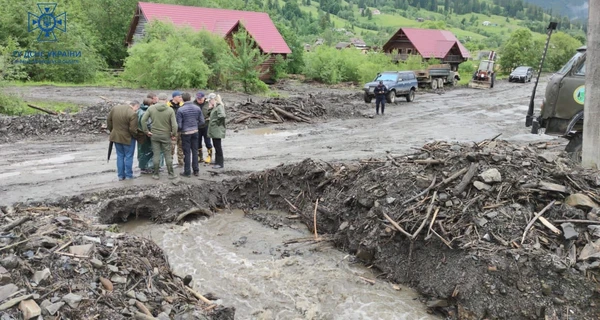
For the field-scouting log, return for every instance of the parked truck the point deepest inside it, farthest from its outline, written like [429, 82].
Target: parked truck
[435, 76]
[561, 112]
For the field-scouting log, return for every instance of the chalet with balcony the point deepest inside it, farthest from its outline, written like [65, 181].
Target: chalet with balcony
[428, 43]
[224, 23]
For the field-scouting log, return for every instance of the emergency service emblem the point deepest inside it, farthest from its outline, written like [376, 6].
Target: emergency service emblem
[579, 94]
[47, 22]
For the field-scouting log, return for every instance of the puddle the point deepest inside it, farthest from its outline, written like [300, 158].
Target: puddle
[271, 132]
[248, 267]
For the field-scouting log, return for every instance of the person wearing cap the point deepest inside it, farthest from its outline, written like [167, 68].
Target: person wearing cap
[189, 118]
[216, 126]
[203, 129]
[380, 92]
[176, 103]
[164, 131]
[123, 126]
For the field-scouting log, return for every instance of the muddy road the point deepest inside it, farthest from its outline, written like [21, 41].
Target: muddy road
[48, 167]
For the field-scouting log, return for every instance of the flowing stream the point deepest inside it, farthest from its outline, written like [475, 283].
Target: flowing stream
[247, 266]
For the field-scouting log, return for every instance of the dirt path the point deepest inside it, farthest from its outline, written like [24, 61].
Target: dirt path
[62, 166]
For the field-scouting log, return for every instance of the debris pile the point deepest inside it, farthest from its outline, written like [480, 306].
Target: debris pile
[296, 109]
[90, 120]
[484, 230]
[56, 265]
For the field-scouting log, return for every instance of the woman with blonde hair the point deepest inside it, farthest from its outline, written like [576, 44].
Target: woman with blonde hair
[216, 126]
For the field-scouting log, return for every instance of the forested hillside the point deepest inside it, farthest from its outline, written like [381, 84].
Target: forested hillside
[571, 8]
[97, 28]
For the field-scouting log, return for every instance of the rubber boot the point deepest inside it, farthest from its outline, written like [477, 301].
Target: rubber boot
[209, 157]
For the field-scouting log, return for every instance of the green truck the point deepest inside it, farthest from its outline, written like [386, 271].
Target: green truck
[561, 111]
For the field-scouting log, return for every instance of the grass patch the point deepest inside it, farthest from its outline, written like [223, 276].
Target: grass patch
[59, 107]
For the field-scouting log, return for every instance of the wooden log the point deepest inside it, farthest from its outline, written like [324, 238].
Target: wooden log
[15, 223]
[143, 308]
[242, 119]
[452, 177]
[466, 179]
[54, 113]
[277, 117]
[549, 225]
[199, 296]
[430, 161]
[288, 115]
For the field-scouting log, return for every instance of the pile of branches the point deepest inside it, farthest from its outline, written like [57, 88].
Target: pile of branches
[279, 110]
[52, 263]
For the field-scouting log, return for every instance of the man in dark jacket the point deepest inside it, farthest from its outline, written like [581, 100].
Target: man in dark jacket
[176, 103]
[189, 118]
[164, 130]
[380, 92]
[203, 129]
[123, 126]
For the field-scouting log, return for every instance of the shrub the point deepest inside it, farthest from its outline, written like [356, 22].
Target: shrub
[174, 58]
[330, 65]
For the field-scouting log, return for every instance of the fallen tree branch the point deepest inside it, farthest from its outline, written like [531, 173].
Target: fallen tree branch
[315, 219]
[578, 221]
[414, 236]
[466, 179]
[422, 192]
[54, 113]
[199, 296]
[276, 116]
[530, 224]
[16, 223]
[452, 177]
[397, 226]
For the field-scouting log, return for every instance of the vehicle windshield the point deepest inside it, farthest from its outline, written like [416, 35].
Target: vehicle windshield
[387, 77]
[520, 70]
[569, 64]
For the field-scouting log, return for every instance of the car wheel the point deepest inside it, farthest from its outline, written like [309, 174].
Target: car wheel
[440, 83]
[410, 97]
[391, 96]
[454, 82]
[367, 98]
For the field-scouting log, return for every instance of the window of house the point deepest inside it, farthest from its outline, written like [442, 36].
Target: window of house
[401, 51]
[409, 51]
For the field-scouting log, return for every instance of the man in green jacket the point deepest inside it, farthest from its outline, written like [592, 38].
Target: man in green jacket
[203, 129]
[164, 130]
[123, 126]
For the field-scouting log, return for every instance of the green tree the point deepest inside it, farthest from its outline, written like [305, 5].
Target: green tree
[562, 48]
[244, 61]
[519, 49]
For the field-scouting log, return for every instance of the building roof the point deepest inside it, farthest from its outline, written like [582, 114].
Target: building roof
[220, 21]
[342, 45]
[433, 43]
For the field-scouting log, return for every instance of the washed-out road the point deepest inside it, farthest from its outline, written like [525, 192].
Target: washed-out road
[38, 169]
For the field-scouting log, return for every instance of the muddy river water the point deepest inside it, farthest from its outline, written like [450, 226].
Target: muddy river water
[248, 266]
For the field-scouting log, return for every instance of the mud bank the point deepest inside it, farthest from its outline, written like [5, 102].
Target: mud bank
[450, 220]
[488, 230]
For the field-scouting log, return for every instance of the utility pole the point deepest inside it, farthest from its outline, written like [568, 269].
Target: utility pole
[591, 113]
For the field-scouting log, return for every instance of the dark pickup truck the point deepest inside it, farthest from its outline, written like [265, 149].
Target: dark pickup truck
[398, 84]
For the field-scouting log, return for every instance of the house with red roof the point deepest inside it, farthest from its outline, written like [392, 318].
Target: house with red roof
[428, 43]
[222, 22]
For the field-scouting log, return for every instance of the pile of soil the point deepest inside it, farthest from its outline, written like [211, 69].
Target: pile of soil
[54, 264]
[90, 120]
[489, 230]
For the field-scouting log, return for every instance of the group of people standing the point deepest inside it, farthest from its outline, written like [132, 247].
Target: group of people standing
[161, 126]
